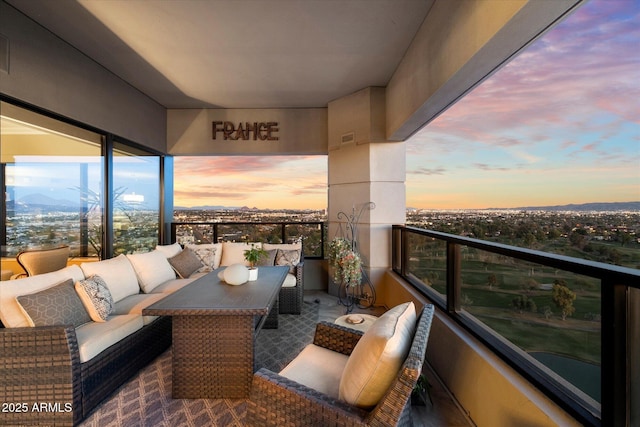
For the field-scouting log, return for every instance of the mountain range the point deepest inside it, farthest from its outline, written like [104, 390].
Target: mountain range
[41, 201]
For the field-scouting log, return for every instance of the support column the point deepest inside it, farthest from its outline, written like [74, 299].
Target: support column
[364, 167]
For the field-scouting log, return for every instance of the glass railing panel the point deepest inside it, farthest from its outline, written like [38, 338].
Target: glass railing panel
[552, 315]
[427, 262]
[194, 234]
[310, 234]
[250, 233]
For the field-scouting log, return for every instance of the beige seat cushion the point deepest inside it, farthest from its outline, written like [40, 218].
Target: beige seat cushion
[317, 368]
[11, 313]
[175, 284]
[95, 337]
[134, 304]
[290, 281]
[378, 356]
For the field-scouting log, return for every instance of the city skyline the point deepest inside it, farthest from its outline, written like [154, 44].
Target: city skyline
[557, 125]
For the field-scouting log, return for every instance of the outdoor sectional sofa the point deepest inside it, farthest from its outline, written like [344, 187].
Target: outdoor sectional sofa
[67, 343]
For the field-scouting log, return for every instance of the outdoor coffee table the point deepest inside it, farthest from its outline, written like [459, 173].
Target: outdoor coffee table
[214, 327]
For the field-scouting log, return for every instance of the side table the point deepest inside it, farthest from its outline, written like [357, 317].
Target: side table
[367, 321]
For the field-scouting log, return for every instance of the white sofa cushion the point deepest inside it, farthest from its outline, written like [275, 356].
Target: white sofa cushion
[317, 368]
[233, 252]
[378, 356]
[175, 284]
[152, 269]
[117, 273]
[290, 281]
[10, 311]
[95, 296]
[134, 304]
[209, 253]
[95, 337]
[169, 250]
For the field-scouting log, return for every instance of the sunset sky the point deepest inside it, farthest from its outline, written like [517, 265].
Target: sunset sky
[559, 124]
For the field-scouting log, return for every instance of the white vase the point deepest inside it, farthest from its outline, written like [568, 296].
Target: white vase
[253, 274]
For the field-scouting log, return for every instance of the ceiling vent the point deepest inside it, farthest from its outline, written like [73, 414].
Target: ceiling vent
[348, 138]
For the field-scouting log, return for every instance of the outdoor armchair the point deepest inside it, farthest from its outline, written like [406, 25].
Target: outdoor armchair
[42, 261]
[279, 401]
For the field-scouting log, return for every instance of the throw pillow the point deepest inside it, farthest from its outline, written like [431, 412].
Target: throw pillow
[233, 252]
[185, 263]
[378, 356]
[290, 258]
[11, 313]
[269, 259]
[152, 269]
[117, 273]
[209, 255]
[96, 297]
[58, 305]
[169, 250]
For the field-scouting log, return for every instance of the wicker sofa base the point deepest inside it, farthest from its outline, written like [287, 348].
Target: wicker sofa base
[117, 364]
[44, 382]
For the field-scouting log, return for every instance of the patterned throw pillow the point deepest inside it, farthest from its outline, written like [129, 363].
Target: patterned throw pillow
[185, 263]
[96, 297]
[57, 305]
[207, 257]
[290, 258]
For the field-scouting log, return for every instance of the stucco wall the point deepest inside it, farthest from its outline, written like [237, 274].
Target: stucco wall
[300, 131]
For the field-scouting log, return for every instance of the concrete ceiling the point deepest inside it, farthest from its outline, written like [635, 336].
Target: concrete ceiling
[238, 54]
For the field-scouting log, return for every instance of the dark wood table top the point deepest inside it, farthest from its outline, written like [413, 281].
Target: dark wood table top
[209, 296]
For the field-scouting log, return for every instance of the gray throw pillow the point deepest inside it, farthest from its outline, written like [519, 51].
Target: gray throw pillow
[58, 305]
[268, 259]
[185, 263]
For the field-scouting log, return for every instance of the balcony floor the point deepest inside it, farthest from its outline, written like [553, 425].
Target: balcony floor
[120, 407]
[444, 411]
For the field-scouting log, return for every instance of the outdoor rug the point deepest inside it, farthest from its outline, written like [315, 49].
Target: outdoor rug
[146, 399]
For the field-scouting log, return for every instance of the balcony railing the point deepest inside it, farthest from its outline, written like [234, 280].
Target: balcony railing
[506, 297]
[312, 234]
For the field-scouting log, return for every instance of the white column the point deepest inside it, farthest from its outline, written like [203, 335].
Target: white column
[363, 168]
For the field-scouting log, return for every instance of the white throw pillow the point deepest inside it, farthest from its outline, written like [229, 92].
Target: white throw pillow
[170, 250]
[118, 274]
[233, 252]
[152, 269]
[378, 356]
[11, 313]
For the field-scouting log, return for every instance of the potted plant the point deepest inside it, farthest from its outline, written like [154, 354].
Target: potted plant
[252, 256]
[346, 262]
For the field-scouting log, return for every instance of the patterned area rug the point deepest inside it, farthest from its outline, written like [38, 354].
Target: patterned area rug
[146, 399]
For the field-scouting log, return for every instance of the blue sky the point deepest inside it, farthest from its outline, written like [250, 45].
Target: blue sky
[559, 124]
